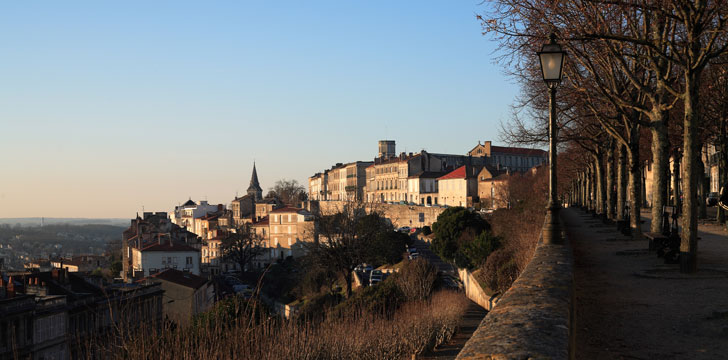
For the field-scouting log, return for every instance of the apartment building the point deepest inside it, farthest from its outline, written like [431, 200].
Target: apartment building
[289, 227]
[511, 158]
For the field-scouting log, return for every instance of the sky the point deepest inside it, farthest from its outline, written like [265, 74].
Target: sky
[111, 107]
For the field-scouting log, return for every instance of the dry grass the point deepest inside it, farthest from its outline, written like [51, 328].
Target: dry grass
[414, 328]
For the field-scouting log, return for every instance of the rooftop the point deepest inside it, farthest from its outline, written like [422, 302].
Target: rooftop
[181, 278]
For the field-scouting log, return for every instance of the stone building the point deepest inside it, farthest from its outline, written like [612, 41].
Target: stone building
[50, 315]
[317, 186]
[511, 158]
[288, 228]
[422, 188]
[184, 215]
[492, 188]
[191, 294]
[459, 187]
[147, 230]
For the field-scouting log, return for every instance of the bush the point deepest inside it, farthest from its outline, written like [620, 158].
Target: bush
[426, 230]
[384, 298]
[454, 227]
[416, 279]
[497, 272]
[477, 251]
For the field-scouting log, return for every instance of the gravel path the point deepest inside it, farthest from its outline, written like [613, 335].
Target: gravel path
[630, 305]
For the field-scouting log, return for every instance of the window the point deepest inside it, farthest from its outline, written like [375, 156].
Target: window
[289, 242]
[289, 229]
[289, 219]
[188, 260]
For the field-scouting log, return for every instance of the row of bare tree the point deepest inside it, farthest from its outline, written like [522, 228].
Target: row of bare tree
[635, 69]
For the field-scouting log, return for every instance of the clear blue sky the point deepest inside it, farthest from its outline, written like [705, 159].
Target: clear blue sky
[108, 106]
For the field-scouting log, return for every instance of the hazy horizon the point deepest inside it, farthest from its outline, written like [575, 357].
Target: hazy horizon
[109, 108]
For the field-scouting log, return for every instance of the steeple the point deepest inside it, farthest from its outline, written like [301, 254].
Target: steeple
[254, 188]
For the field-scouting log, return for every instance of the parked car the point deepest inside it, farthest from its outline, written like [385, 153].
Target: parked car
[712, 199]
[414, 255]
[375, 277]
[404, 229]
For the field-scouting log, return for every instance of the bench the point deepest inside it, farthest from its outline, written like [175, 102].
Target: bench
[656, 240]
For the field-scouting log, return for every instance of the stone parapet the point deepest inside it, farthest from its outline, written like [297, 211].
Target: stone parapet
[534, 319]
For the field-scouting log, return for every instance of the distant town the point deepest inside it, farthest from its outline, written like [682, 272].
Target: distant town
[186, 252]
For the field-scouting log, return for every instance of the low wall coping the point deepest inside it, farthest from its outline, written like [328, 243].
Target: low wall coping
[534, 318]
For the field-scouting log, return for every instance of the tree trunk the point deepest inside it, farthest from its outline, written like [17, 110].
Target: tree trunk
[702, 209]
[590, 187]
[621, 181]
[635, 182]
[660, 170]
[676, 179]
[609, 175]
[690, 176]
[599, 175]
[722, 166]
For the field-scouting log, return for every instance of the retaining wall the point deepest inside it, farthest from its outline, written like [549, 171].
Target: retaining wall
[400, 215]
[475, 292]
[534, 319]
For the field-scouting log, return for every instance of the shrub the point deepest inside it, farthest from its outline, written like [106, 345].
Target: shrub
[416, 279]
[477, 251]
[426, 230]
[492, 270]
[415, 328]
[450, 227]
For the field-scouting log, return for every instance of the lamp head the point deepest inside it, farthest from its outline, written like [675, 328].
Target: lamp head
[551, 58]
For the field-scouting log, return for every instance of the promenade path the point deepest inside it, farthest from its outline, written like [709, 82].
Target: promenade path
[630, 305]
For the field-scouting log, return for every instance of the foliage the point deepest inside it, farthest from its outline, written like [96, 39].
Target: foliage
[288, 192]
[116, 268]
[416, 279]
[497, 270]
[384, 298]
[477, 251]
[386, 248]
[414, 328]
[449, 228]
[426, 230]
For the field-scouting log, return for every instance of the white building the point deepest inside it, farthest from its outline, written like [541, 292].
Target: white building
[422, 188]
[165, 254]
[184, 215]
[459, 187]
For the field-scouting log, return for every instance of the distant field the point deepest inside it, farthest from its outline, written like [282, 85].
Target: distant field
[36, 221]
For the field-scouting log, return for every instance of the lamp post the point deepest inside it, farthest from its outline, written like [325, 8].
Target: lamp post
[551, 58]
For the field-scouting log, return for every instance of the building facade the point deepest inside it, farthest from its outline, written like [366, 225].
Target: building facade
[459, 187]
[511, 158]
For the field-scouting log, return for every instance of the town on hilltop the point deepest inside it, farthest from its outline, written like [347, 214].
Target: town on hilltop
[175, 265]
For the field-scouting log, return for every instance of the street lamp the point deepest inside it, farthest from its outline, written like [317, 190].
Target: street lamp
[551, 58]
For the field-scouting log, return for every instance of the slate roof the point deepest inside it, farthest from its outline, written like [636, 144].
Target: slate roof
[185, 279]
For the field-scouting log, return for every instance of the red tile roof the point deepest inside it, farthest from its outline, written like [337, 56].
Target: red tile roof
[458, 173]
[181, 278]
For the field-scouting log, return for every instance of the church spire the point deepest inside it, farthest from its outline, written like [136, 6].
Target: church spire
[254, 189]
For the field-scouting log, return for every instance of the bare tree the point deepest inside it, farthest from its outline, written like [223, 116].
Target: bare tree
[242, 246]
[289, 192]
[345, 238]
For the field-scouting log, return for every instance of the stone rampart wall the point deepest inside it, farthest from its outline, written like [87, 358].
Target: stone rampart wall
[400, 215]
[534, 319]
